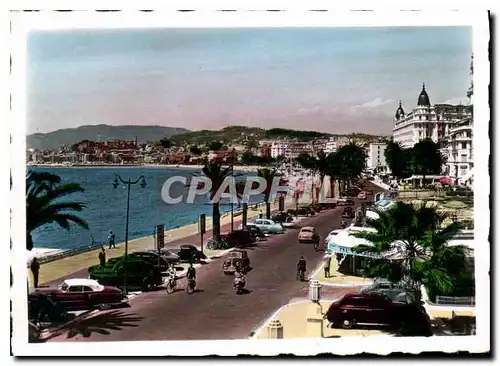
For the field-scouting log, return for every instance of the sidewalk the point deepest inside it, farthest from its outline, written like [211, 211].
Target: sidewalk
[184, 235]
[337, 278]
[293, 317]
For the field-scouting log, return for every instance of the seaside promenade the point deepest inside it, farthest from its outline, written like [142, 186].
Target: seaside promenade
[215, 312]
[76, 266]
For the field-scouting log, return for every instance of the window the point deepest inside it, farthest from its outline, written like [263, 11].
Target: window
[464, 145]
[87, 289]
[356, 301]
[75, 289]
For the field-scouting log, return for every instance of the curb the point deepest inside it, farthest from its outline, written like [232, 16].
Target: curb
[253, 334]
[79, 318]
[349, 284]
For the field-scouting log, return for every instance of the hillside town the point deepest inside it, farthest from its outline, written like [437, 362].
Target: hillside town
[448, 125]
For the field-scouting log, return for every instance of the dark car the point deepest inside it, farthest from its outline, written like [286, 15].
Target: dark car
[366, 308]
[281, 217]
[140, 274]
[163, 259]
[240, 237]
[189, 253]
[256, 232]
[42, 309]
[83, 293]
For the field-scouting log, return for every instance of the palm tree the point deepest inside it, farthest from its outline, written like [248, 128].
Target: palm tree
[351, 163]
[396, 159]
[43, 205]
[216, 174]
[427, 159]
[268, 175]
[424, 258]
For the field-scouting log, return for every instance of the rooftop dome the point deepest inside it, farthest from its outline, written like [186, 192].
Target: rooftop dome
[400, 113]
[423, 98]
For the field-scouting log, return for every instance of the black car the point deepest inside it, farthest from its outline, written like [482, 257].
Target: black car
[139, 274]
[189, 253]
[281, 217]
[256, 232]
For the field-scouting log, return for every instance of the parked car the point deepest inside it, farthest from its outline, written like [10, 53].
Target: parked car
[308, 234]
[301, 211]
[268, 226]
[348, 213]
[328, 205]
[189, 253]
[240, 237]
[331, 234]
[256, 232]
[281, 217]
[83, 293]
[42, 309]
[362, 195]
[140, 274]
[289, 222]
[160, 260]
[395, 291]
[237, 259]
[366, 308]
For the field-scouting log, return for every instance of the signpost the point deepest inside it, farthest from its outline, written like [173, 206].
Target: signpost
[160, 241]
[203, 229]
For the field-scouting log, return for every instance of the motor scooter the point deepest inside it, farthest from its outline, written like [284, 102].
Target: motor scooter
[239, 286]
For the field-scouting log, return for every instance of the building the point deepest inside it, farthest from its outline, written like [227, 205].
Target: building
[375, 157]
[426, 121]
[459, 152]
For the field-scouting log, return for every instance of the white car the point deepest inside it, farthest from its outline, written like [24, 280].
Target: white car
[267, 226]
[332, 234]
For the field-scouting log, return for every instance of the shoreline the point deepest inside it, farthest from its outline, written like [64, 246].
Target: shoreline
[246, 168]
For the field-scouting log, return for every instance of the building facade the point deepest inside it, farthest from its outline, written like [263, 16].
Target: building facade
[426, 121]
[375, 158]
[458, 151]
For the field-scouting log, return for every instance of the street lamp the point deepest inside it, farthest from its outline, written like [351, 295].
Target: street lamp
[142, 183]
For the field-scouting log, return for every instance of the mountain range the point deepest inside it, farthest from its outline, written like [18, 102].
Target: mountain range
[69, 136]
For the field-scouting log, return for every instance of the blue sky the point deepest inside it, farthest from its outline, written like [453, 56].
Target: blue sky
[337, 80]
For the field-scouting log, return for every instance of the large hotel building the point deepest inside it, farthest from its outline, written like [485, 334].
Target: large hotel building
[426, 121]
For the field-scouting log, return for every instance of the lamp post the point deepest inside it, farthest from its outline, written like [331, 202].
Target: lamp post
[232, 203]
[142, 182]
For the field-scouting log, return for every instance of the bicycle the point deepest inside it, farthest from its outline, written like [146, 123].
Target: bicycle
[171, 285]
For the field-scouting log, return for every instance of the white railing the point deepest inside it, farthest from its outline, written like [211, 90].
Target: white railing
[449, 300]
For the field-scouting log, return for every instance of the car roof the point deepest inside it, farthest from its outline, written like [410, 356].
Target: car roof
[83, 282]
[307, 228]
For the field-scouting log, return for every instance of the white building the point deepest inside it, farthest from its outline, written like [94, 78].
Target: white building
[459, 152]
[375, 158]
[426, 121]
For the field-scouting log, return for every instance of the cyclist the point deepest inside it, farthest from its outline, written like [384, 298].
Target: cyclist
[301, 266]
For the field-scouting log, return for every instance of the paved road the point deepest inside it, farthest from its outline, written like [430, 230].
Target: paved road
[215, 312]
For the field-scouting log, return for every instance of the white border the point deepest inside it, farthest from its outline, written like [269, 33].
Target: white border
[24, 22]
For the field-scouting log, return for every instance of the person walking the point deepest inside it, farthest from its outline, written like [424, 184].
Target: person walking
[327, 259]
[111, 239]
[260, 214]
[35, 270]
[102, 257]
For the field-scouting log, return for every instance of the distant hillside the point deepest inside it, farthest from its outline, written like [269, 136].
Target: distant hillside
[240, 134]
[69, 136]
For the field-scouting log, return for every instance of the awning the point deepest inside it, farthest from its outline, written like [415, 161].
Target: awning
[343, 243]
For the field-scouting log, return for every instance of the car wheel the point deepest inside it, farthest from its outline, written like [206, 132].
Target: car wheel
[104, 306]
[147, 284]
[347, 323]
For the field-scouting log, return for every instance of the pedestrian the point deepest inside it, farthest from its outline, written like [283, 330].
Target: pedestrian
[102, 257]
[111, 239]
[35, 270]
[327, 260]
[260, 214]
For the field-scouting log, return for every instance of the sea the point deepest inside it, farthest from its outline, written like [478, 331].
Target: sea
[106, 206]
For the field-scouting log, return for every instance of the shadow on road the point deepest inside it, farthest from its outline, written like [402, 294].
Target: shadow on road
[102, 323]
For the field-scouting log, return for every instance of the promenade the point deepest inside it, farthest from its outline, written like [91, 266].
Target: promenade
[215, 312]
[76, 266]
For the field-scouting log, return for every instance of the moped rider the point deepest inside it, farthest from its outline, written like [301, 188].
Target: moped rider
[239, 278]
[191, 273]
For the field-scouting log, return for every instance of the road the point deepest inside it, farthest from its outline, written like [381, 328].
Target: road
[215, 312]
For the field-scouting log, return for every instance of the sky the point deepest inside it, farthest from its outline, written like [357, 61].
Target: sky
[337, 80]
